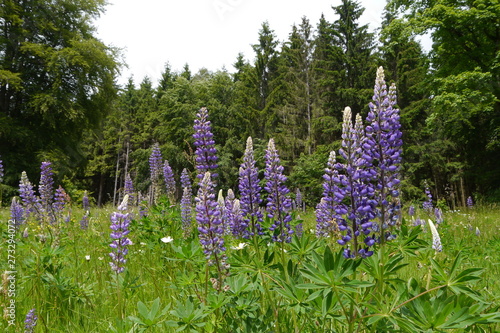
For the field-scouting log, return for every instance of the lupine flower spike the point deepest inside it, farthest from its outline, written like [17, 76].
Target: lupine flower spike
[326, 216]
[46, 187]
[129, 189]
[1, 171]
[279, 203]
[250, 191]
[210, 227]
[155, 164]
[30, 201]
[168, 176]
[383, 148]
[30, 321]
[119, 225]
[436, 240]
[354, 182]
[206, 158]
[16, 213]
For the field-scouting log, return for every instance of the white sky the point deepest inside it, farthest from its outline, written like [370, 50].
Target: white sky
[204, 33]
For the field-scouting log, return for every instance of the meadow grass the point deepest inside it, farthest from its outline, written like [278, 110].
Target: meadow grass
[65, 275]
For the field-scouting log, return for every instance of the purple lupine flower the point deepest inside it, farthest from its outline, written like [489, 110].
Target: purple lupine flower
[46, 186]
[186, 180]
[86, 202]
[30, 201]
[427, 205]
[354, 183]
[61, 198]
[168, 176]
[299, 230]
[119, 226]
[234, 216]
[279, 203]
[210, 226]
[155, 162]
[326, 216]
[470, 203]
[186, 211]
[155, 165]
[438, 213]
[383, 149]
[1, 171]
[206, 158]
[30, 321]
[129, 189]
[16, 213]
[250, 191]
[411, 210]
[298, 199]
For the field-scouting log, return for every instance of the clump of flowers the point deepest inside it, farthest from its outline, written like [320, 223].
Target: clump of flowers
[211, 227]
[354, 191]
[279, 203]
[250, 191]
[383, 149]
[120, 222]
[206, 153]
[234, 217]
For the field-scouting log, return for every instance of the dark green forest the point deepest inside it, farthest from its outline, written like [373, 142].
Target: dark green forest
[60, 101]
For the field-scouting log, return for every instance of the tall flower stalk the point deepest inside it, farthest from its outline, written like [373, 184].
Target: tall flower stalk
[120, 222]
[46, 188]
[155, 165]
[168, 176]
[326, 216]
[383, 150]
[129, 189]
[357, 208]
[211, 227]
[279, 204]
[206, 153]
[30, 201]
[249, 187]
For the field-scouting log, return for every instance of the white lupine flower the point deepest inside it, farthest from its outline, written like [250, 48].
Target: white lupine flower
[436, 240]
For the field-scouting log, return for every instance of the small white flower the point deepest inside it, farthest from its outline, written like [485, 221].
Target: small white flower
[143, 244]
[167, 239]
[100, 258]
[240, 246]
[87, 257]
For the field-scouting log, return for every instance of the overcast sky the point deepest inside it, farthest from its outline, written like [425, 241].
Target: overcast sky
[204, 33]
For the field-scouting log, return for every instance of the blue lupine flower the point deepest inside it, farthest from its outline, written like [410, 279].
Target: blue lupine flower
[206, 154]
[279, 203]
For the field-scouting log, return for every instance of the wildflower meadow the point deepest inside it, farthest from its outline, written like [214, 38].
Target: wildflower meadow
[190, 256]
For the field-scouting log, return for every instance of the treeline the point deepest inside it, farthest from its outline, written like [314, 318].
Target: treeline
[294, 91]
